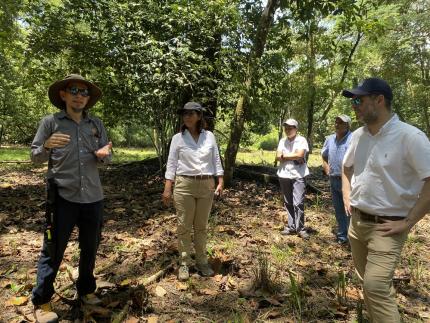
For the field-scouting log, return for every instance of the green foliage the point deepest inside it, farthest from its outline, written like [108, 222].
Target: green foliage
[150, 57]
[268, 141]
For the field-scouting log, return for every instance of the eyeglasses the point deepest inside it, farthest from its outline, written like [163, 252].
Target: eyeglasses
[356, 101]
[75, 91]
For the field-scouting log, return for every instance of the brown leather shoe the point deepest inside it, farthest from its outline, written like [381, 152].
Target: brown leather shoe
[44, 314]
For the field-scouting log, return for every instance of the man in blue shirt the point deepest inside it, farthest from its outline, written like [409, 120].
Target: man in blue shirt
[332, 154]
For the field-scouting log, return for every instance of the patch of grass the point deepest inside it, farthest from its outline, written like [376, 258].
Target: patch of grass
[257, 157]
[120, 155]
[123, 155]
[14, 153]
[280, 254]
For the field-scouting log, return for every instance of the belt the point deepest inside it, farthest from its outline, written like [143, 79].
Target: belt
[198, 176]
[375, 218]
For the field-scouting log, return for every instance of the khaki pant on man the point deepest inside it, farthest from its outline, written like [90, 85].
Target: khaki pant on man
[375, 259]
[193, 198]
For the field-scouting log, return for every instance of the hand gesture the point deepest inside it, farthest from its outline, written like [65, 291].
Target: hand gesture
[57, 140]
[104, 151]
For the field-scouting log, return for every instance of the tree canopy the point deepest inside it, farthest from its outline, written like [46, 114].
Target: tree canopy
[150, 57]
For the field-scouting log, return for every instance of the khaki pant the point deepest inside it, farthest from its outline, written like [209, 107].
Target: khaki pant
[375, 258]
[193, 202]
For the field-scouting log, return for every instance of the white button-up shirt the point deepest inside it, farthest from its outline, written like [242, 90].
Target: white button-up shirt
[389, 168]
[187, 157]
[290, 168]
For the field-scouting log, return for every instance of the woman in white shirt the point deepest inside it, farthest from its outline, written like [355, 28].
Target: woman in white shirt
[192, 164]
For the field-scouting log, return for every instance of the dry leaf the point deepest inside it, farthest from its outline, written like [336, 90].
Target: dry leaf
[207, 291]
[160, 291]
[18, 301]
[153, 319]
[131, 319]
[125, 282]
[104, 284]
[181, 286]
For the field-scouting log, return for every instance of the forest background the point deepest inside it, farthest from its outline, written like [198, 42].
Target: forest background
[252, 63]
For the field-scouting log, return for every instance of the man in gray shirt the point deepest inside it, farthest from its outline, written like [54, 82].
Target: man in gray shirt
[73, 143]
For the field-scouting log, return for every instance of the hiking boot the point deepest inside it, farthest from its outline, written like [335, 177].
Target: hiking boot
[90, 299]
[304, 235]
[183, 273]
[205, 270]
[288, 232]
[44, 314]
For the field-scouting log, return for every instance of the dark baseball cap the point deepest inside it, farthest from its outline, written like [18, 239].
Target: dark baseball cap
[372, 85]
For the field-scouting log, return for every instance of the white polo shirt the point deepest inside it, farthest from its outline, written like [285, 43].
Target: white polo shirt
[187, 157]
[288, 168]
[389, 168]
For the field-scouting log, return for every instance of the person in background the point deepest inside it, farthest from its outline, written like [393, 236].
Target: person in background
[332, 153]
[73, 142]
[386, 189]
[193, 162]
[292, 171]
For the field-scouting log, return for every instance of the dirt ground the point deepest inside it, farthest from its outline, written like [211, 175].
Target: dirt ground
[260, 275]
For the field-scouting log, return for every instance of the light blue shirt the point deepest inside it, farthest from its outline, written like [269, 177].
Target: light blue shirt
[334, 151]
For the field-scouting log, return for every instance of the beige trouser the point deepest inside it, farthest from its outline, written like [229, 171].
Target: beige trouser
[375, 258]
[193, 202]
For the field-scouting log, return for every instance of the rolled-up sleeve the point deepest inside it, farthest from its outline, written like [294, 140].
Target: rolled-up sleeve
[38, 153]
[219, 171]
[172, 160]
[103, 142]
[325, 148]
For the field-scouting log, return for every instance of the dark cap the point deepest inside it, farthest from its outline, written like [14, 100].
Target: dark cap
[369, 86]
[191, 106]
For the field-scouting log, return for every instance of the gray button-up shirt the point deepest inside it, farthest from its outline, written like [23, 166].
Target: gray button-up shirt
[74, 166]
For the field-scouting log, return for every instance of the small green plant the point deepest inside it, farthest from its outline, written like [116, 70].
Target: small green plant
[341, 287]
[265, 278]
[296, 294]
[238, 317]
[416, 268]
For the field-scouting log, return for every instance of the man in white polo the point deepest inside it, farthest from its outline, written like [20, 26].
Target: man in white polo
[386, 190]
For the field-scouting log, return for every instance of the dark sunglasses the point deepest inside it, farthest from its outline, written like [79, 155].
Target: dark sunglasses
[75, 91]
[356, 101]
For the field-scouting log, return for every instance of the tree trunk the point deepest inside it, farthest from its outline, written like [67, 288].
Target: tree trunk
[312, 88]
[242, 105]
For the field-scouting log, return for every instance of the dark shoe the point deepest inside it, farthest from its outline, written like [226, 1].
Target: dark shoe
[304, 235]
[183, 273]
[90, 299]
[205, 270]
[342, 241]
[288, 232]
[44, 314]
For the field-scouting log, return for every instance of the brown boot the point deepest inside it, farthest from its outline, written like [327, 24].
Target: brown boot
[44, 314]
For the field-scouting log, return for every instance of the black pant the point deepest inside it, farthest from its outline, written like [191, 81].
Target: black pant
[88, 218]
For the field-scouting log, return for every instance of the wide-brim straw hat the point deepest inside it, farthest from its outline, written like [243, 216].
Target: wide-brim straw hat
[54, 91]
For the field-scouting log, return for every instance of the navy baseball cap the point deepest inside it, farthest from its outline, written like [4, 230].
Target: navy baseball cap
[372, 85]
